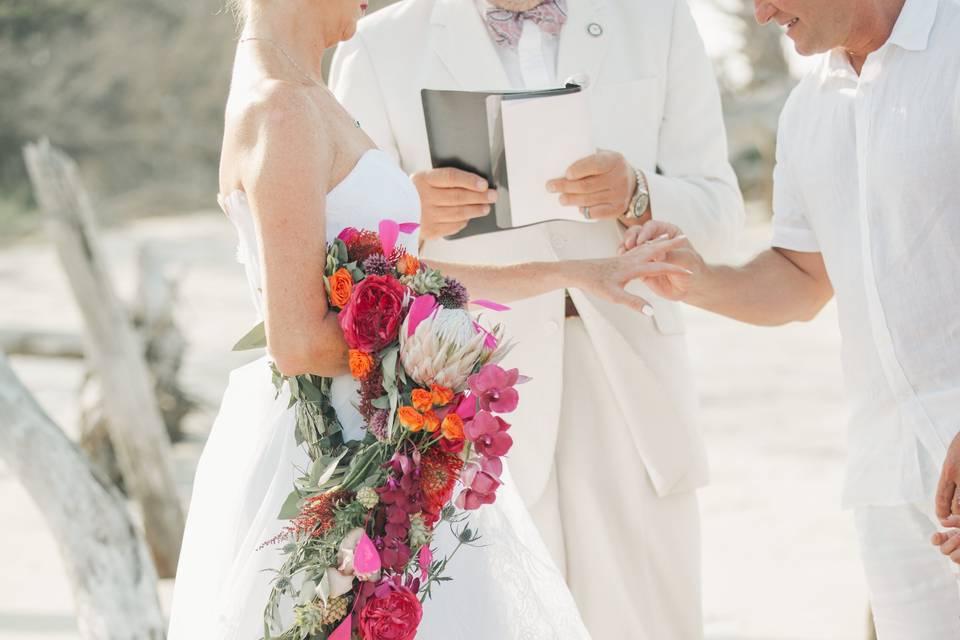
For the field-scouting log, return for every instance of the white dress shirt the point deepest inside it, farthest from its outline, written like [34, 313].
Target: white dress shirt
[533, 64]
[868, 174]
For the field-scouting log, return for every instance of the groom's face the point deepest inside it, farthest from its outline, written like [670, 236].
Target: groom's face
[814, 26]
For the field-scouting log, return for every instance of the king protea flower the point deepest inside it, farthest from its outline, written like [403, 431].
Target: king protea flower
[444, 346]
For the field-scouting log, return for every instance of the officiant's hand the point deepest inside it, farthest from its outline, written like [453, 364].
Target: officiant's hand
[672, 286]
[948, 497]
[604, 183]
[449, 199]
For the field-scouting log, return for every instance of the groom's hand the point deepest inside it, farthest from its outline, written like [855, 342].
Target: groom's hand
[604, 183]
[672, 286]
[449, 199]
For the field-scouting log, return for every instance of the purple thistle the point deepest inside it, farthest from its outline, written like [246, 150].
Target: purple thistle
[378, 425]
[453, 295]
[376, 265]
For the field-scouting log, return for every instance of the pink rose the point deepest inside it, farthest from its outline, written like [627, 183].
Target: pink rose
[393, 613]
[371, 320]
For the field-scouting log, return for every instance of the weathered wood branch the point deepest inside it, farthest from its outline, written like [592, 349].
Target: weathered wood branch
[45, 344]
[113, 580]
[136, 426]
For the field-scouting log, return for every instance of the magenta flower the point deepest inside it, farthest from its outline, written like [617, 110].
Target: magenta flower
[481, 482]
[494, 388]
[488, 434]
[348, 234]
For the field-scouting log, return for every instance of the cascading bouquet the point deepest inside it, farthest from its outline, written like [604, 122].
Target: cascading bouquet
[358, 557]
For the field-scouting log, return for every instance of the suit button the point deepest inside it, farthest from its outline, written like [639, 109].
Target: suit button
[553, 326]
[558, 241]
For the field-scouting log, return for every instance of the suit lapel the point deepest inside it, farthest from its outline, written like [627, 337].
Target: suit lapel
[582, 48]
[461, 41]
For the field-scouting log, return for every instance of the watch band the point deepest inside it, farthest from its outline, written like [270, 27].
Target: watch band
[641, 197]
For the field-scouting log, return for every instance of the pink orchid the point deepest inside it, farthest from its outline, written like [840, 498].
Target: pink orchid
[488, 433]
[494, 387]
[481, 481]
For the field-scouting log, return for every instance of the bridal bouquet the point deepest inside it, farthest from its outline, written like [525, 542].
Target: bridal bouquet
[361, 519]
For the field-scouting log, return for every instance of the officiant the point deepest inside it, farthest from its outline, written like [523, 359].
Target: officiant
[608, 454]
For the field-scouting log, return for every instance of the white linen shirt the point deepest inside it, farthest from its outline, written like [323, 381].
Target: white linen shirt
[868, 174]
[533, 64]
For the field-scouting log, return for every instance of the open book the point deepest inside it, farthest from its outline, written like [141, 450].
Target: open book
[517, 141]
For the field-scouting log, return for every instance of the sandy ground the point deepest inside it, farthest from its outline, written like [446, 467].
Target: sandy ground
[779, 556]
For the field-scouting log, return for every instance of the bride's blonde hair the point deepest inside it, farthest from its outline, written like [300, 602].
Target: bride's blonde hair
[239, 8]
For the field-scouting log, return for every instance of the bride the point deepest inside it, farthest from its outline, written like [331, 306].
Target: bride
[295, 170]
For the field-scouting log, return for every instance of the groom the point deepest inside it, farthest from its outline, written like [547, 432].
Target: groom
[867, 205]
[608, 455]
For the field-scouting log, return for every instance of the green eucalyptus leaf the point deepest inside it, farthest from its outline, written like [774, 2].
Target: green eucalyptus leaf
[383, 402]
[389, 365]
[256, 338]
[323, 468]
[310, 392]
[290, 508]
[323, 587]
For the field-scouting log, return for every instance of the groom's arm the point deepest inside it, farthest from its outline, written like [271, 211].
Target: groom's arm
[776, 287]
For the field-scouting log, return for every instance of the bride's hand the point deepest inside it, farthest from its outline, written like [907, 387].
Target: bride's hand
[669, 285]
[608, 278]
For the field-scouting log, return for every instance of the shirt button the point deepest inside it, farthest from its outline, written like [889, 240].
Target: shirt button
[558, 241]
[595, 29]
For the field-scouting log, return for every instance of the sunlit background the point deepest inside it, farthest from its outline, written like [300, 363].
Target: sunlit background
[133, 90]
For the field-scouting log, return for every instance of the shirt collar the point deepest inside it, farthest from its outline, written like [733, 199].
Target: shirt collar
[913, 27]
[911, 32]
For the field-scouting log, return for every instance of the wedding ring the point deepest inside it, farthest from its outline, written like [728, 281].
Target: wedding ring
[586, 212]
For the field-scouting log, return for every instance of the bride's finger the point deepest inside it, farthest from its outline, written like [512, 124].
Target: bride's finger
[650, 269]
[621, 296]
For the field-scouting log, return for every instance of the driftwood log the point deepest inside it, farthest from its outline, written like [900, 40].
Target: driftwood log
[136, 426]
[113, 580]
[163, 348]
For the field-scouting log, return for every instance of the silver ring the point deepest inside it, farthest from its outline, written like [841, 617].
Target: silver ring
[586, 212]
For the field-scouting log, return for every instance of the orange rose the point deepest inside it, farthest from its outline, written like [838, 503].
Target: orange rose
[441, 395]
[410, 418]
[361, 364]
[431, 422]
[408, 265]
[422, 400]
[452, 427]
[341, 286]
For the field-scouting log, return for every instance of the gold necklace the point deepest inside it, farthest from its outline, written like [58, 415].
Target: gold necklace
[286, 55]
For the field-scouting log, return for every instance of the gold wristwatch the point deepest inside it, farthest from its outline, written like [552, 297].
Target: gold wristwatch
[641, 198]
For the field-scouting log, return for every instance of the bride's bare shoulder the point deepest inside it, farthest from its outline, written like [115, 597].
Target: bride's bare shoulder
[274, 123]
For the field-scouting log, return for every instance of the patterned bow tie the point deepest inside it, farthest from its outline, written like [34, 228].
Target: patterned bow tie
[506, 26]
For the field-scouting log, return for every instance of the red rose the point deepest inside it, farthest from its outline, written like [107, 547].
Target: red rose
[394, 615]
[371, 320]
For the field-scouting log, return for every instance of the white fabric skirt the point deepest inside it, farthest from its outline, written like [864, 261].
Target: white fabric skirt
[508, 588]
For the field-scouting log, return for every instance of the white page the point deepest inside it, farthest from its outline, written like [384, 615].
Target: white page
[543, 136]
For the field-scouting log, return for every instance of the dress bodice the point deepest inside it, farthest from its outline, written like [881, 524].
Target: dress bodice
[375, 189]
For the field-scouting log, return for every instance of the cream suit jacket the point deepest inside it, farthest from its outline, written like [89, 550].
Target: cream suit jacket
[654, 99]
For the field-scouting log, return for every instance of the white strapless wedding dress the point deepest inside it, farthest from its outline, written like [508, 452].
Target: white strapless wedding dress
[508, 589]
